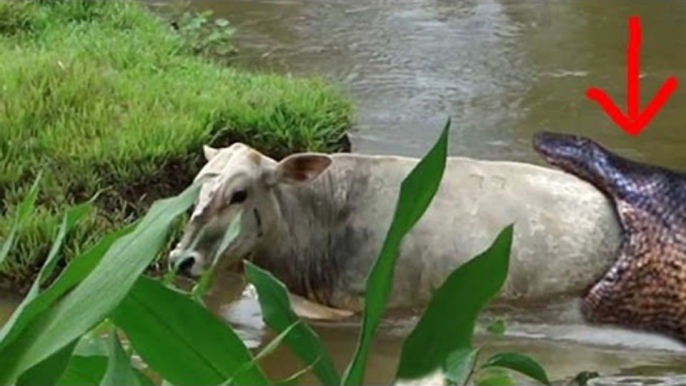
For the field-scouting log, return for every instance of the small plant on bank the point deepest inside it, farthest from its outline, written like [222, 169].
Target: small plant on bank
[205, 35]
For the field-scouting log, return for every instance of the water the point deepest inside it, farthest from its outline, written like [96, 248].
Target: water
[564, 348]
[555, 334]
[502, 70]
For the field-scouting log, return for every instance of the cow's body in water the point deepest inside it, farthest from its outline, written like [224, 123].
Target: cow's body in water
[317, 222]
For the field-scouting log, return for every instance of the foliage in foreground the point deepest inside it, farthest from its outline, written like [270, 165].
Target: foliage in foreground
[54, 336]
[104, 96]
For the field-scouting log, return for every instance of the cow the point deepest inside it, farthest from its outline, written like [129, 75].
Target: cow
[318, 221]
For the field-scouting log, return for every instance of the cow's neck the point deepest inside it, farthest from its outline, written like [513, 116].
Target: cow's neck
[309, 248]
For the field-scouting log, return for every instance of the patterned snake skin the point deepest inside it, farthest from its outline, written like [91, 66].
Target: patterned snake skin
[646, 286]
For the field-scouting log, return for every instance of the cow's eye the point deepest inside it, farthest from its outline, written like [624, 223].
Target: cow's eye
[238, 197]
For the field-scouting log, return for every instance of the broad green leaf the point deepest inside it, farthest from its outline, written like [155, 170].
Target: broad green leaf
[520, 363]
[23, 210]
[90, 370]
[50, 370]
[496, 380]
[180, 339]
[493, 376]
[497, 327]
[266, 351]
[75, 271]
[119, 369]
[448, 322]
[98, 294]
[71, 218]
[278, 314]
[84, 370]
[460, 365]
[416, 193]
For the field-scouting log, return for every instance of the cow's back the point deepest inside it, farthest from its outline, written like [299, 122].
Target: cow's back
[565, 233]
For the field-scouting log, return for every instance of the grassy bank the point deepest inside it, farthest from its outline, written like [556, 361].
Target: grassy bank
[106, 97]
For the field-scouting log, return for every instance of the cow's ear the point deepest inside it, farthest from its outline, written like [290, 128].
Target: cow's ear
[299, 168]
[210, 152]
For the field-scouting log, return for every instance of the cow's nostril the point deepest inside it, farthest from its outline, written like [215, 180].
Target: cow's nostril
[186, 265]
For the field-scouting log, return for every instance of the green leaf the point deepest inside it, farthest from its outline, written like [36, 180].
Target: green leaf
[497, 327]
[84, 370]
[416, 193]
[496, 380]
[180, 339]
[75, 271]
[266, 351]
[448, 322]
[98, 294]
[119, 369]
[71, 218]
[278, 314]
[50, 370]
[23, 210]
[460, 365]
[293, 379]
[89, 369]
[273, 344]
[520, 363]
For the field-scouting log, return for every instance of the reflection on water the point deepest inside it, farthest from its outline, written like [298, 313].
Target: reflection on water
[502, 70]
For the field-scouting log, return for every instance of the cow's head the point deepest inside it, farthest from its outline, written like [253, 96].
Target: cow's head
[237, 180]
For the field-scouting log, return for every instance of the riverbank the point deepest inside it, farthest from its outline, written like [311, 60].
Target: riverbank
[108, 97]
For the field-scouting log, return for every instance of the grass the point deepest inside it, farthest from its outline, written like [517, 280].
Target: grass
[106, 97]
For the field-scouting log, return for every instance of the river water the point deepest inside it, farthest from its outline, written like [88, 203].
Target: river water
[501, 70]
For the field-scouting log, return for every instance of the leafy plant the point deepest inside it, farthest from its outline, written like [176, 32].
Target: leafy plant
[278, 315]
[416, 193]
[55, 336]
[202, 33]
[94, 297]
[207, 36]
[204, 351]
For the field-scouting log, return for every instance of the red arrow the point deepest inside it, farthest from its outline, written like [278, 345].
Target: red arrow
[635, 121]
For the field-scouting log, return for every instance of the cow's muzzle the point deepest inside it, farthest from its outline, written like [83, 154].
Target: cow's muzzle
[184, 262]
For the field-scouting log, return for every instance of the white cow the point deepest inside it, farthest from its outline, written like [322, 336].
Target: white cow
[317, 222]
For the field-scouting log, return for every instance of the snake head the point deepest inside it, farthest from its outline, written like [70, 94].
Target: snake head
[574, 154]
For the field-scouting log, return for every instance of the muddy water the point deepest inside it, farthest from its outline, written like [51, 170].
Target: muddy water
[554, 333]
[502, 70]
